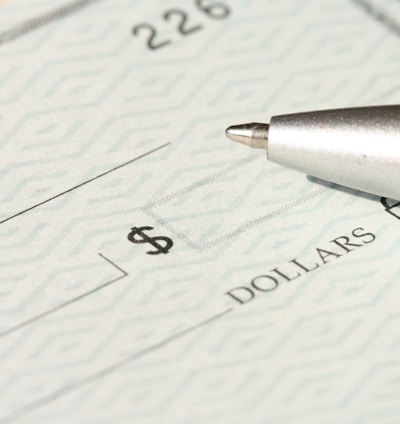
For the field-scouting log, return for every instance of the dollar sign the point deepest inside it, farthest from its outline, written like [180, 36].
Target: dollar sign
[154, 241]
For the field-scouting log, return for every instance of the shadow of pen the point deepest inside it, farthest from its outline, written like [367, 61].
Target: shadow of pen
[343, 189]
[390, 206]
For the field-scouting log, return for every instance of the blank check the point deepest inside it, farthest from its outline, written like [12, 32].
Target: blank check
[154, 272]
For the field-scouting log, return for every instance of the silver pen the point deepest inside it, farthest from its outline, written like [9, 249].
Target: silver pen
[357, 147]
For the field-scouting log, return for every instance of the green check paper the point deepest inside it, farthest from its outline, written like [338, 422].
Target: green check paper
[154, 272]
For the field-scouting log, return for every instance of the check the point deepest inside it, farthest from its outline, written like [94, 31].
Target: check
[152, 271]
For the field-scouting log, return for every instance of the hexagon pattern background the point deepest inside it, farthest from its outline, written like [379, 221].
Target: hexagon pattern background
[99, 135]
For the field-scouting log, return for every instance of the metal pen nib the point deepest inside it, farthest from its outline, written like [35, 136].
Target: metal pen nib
[252, 135]
[356, 147]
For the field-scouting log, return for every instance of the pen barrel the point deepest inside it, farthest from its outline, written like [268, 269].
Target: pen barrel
[358, 148]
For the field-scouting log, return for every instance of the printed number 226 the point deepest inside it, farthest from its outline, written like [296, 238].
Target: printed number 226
[212, 9]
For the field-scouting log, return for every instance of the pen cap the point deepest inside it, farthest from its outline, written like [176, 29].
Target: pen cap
[358, 148]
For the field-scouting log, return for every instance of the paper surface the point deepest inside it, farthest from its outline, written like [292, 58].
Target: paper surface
[100, 134]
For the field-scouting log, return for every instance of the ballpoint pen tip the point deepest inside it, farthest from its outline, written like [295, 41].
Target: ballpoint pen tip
[252, 135]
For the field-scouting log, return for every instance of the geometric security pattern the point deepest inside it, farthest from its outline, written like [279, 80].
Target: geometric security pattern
[81, 97]
[32, 24]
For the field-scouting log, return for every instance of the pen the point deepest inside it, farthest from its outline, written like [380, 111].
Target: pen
[356, 147]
